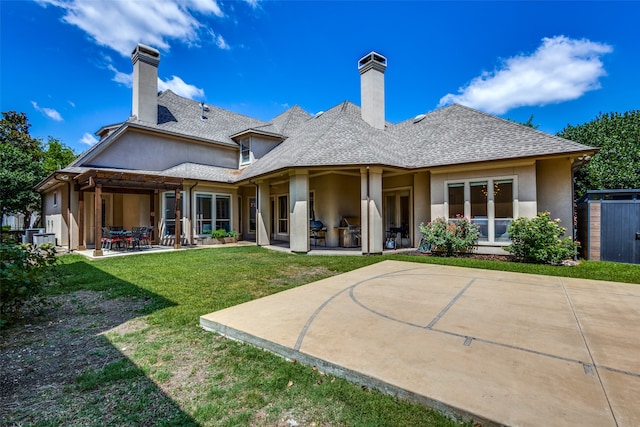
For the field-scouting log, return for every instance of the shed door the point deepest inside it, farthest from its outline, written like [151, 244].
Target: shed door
[620, 225]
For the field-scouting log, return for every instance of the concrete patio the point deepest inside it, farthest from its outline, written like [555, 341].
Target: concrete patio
[501, 348]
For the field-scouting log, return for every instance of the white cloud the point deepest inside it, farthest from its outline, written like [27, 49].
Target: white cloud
[221, 43]
[253, 3]
[175, 84]
[561, 69]
[120, 77]
[121, 25]
[88, 139]
[73, 104]
[49, 112]
[178, 86]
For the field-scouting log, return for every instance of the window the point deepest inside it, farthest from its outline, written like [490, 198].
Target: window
[283, 214]
[252, 214]
[479, 216]
[223, 212]
[245, 151]
[170, 213]
[456, 200]
[487, 203]
[240, 209]
[204, 214]
[503, 203]
[55, 198]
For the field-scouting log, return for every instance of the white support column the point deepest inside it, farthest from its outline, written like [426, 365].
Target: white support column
[299, 211]
[371, 210]
[421, 203]
[263, 214]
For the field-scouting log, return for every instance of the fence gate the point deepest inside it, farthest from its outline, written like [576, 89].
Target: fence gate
[620, 229]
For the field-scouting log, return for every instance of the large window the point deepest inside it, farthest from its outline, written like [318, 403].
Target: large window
[456, 200]
[223, 212]
[204, 214]
[170, 213]
[283, 214]
[503, 205]
[479, 216]
[486, 202]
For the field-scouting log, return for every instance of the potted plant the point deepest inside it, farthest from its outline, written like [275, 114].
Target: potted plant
[219, 235]
[231, 237]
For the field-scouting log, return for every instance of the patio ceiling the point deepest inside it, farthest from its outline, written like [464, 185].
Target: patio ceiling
[126, 181]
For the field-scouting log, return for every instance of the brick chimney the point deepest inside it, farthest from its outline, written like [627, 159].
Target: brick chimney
[371, 67]
[145, 61]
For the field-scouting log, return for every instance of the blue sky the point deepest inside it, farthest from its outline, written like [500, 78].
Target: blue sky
[66, 63]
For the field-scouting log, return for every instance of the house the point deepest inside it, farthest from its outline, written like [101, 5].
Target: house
[185, 168]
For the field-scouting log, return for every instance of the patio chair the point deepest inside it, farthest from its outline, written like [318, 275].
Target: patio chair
[145, 236]
[317, 232]
[134, 238]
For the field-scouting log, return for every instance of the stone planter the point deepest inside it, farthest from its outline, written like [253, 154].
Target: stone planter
[230, 240]
[209, 241]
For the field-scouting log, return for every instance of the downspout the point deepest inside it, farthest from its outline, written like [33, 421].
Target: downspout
[368, 216]
[69, 216]
[191, 209]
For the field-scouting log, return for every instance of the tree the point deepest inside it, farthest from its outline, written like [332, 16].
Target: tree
[617, 164]
[57, 155]
[20, 165]
[18, 174]
[528, 123]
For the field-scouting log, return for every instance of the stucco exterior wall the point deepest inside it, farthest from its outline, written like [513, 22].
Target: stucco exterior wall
[261, 146]
[555, 191]
[136, 150]
[396, 181]
[54, 209]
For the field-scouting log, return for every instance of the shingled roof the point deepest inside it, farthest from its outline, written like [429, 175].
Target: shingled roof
[340, 137]
[184, 116]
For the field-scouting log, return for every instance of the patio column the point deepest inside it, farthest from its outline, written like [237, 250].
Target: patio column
[178, 214]
[152, 215]
[97, 221]
[299, 211]
[263, 214]
[81, 243]
[421, 203]
[371, 210]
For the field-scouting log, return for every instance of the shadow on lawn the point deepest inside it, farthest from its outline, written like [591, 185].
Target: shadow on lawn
[57, 367]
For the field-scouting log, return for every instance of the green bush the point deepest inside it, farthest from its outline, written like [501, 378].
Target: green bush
[448, 238]
[24, 271]
[540, 240]
[232, 233]
[220, 233]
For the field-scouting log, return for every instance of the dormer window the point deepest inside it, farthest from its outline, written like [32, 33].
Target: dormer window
[245, 150]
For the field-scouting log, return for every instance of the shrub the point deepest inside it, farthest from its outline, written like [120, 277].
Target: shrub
[232, 233]
[24, 270]
[448, 238]
[220, 233]
[540, 240]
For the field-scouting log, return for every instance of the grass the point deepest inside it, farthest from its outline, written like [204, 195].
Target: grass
[176, 374]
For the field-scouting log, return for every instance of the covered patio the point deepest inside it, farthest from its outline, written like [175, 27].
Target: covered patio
[133, 191]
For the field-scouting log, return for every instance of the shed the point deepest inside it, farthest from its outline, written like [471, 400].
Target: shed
[609, 225]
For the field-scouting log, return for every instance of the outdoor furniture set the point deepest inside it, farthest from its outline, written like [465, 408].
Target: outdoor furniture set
[115, 238]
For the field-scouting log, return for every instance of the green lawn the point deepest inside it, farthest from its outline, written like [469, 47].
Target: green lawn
[174, 373]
